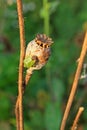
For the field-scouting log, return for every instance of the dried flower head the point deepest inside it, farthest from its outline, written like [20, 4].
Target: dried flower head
[43, 40]
[38, 52]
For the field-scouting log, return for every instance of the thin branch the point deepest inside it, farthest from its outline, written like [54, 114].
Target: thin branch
[17, 114]
[19, 107]
[74, 126]
[27, 78]
[75, 82]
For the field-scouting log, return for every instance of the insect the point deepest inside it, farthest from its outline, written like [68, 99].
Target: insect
[38, 52]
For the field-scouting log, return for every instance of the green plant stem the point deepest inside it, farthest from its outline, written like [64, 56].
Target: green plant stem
[46, 17]
[47, 31]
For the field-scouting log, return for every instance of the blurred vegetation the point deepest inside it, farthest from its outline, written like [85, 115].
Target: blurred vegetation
[47, 93]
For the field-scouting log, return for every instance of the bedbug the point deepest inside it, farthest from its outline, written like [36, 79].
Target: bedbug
[38, 52]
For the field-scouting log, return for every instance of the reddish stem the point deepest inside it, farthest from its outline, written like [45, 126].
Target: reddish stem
[19, 107]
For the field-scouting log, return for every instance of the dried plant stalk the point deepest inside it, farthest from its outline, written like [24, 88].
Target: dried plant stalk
[19, 107]
[37, 54]
[74, 126]
[27, 77]
[75, 82]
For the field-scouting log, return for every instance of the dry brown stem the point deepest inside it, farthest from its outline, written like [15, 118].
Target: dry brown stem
[28, 75]
[74, 126]
[27, 78]
[75, 82]
[19, 107]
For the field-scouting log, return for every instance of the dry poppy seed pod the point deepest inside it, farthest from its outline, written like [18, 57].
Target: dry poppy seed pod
[38, 52]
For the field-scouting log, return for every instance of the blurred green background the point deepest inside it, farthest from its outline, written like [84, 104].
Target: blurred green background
[47, 93]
